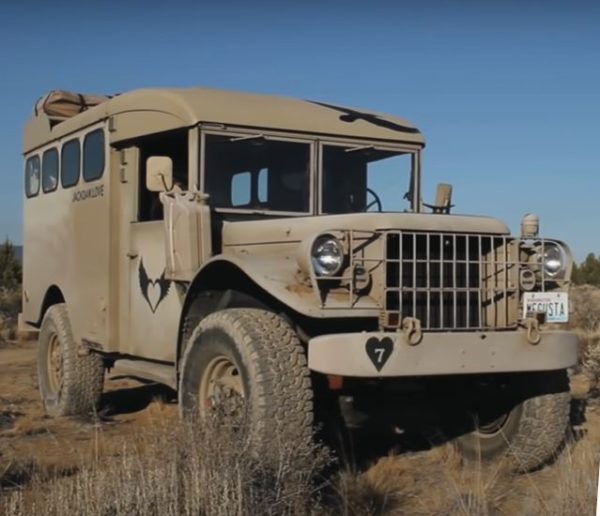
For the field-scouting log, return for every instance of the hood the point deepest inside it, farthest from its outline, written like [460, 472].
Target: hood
[295, 229]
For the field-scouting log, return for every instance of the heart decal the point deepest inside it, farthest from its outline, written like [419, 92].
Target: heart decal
[379, 351]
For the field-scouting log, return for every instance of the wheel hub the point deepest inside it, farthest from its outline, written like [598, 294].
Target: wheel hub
[492, 427]
[55, 364]
[221, 389]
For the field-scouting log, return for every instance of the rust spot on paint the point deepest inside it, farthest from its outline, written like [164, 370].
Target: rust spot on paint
[299, 288]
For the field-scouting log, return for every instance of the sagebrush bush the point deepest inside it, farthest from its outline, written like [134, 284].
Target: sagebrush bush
[586, 308]
[10, 267]
[10, 306]
[176, 468]
[586, 321]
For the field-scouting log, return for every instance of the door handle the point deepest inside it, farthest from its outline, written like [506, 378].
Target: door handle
[132, 255]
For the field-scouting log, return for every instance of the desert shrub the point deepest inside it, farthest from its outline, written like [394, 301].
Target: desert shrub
[586, 321]
[586, 308]
[10, 306]
[10, 303]
[439, 482]
[588, 272]
[171, 468]
[175, 468]
[576, 482]
[10, 268]
[10, 291]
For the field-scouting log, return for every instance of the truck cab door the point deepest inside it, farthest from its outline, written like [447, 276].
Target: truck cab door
[150, 303]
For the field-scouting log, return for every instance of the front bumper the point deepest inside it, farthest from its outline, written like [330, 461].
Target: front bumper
[377, 354]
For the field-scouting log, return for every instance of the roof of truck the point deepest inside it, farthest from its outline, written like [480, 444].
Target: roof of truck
[190, 106]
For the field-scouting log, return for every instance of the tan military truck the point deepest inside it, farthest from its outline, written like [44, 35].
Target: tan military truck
[264, 253]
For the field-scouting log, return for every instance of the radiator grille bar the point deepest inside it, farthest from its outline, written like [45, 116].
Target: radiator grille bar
[451, 281]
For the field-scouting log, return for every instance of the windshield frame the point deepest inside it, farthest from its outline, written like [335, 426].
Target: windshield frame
[414, 181]
[247, 134]
[317, 143]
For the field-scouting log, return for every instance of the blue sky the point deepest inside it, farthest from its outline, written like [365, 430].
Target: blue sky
[507, 93]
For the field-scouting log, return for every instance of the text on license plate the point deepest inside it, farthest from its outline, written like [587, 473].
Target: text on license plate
[554, 304]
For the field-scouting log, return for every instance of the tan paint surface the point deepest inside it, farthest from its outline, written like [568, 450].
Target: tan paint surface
[188, 107]
[67, 244]
[295, 229]
[443, 353]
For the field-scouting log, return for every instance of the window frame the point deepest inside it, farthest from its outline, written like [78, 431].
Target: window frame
[48, 151]
[311, 142]
[317, 142]
[39, 186]
[413, 150]
[100, 131]
[62, 161]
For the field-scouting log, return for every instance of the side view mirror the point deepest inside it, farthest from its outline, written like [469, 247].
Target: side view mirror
[159, 174]
[443, 199]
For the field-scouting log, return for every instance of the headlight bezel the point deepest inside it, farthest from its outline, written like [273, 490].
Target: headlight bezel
[329, 241]
[554, 260]
[538, 261]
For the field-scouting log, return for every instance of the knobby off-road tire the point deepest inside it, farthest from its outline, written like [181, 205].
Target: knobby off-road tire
[70, 384]
[265, 353]
[532, 432]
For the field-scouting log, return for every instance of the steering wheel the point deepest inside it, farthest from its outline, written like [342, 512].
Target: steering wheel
[375, 202]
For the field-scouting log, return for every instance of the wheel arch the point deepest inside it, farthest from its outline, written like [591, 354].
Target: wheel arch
[53, 296]
[218, 285]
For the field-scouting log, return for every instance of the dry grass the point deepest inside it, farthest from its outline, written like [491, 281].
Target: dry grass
[179, 469]
[170, 468]
[440, 483]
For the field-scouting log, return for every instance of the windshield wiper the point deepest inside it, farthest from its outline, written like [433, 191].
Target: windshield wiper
[360, 148]
[246, 138]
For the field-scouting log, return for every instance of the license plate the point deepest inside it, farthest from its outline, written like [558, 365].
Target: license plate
[555, 305]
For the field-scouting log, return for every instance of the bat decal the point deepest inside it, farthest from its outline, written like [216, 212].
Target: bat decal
[154, 291]
[351, 115]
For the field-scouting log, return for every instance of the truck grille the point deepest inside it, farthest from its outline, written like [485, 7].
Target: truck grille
[451, 281]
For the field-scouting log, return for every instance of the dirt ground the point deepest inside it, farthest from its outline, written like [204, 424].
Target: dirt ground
[58, 445]
[27, 435]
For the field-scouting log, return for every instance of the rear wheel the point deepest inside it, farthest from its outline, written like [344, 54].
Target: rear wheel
[530, 431]
[70, 383]
[249, 366]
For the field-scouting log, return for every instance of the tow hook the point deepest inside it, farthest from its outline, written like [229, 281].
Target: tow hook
[412, 330]
[532, 326]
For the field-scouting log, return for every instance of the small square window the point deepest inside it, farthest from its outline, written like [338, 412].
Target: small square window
[263, 185]
[50, 170]
[93, 155]
[70, 163]
[32, 176]
[241, 189]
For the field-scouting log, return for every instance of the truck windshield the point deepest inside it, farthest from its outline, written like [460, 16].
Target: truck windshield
[358, 179]
[257, 173]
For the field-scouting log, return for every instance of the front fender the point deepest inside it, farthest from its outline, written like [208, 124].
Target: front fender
[278, 277]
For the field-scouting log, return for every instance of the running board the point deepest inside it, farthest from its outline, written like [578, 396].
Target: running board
[161, 373]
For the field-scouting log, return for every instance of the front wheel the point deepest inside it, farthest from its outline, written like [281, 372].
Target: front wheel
[530, 432]
[249, 366]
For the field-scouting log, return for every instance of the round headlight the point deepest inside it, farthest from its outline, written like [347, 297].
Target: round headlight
[555, 260]
[327, 255]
